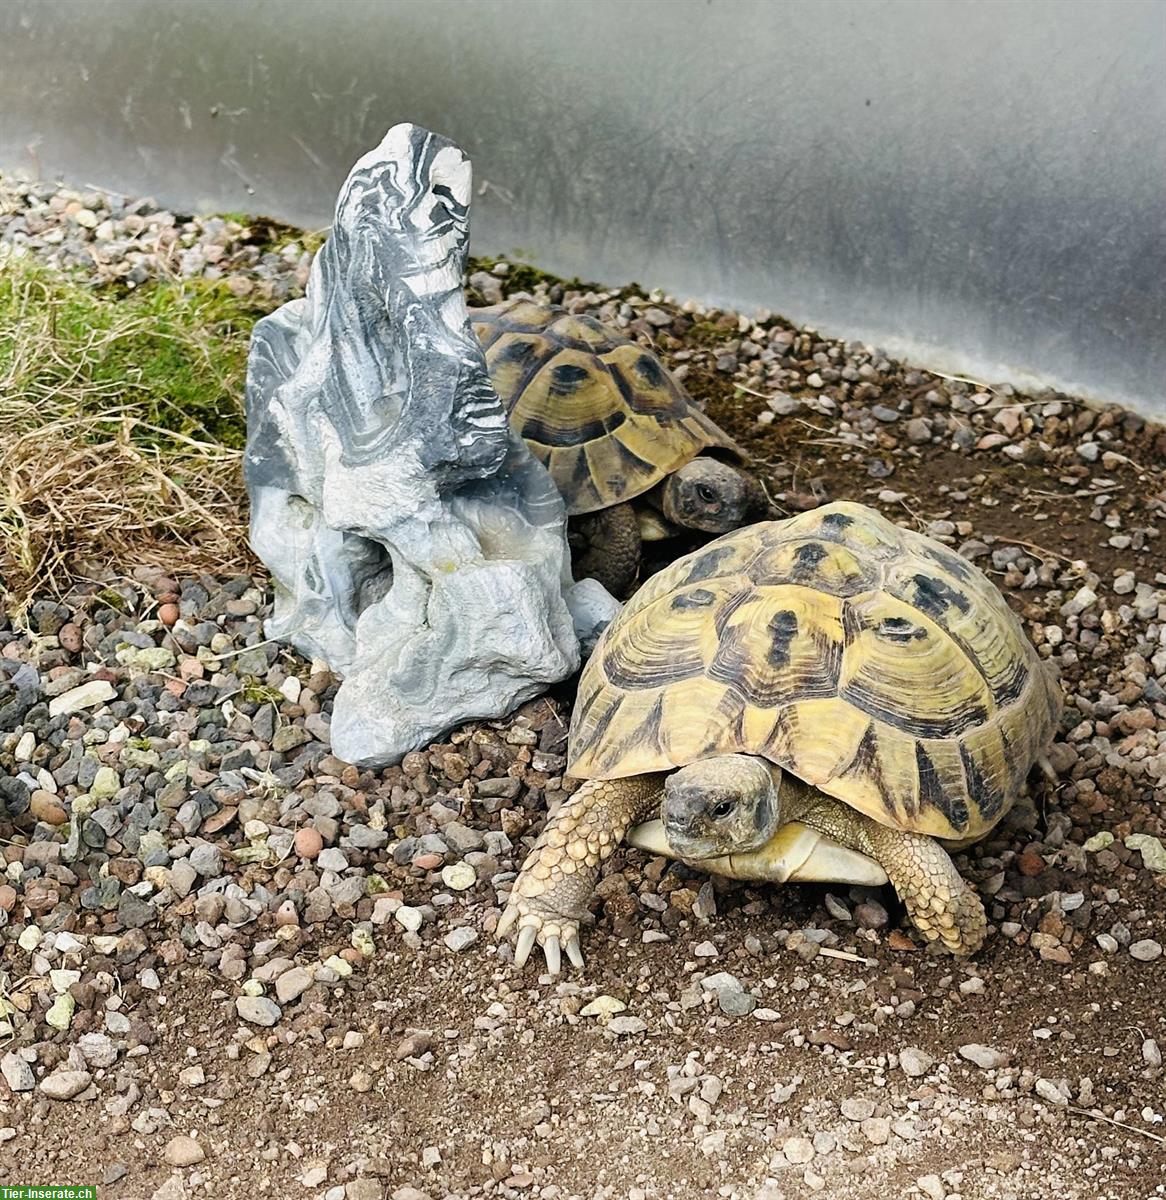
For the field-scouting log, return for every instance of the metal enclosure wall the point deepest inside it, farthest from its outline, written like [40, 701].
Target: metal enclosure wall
[977, 184]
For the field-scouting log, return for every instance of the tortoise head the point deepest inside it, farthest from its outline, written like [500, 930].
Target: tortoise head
[712, 496]
[723, 805]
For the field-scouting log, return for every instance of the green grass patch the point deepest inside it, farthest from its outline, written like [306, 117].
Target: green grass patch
[170, 354]
[124, 422]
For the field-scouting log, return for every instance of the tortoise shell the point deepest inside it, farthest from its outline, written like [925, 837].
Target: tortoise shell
[601, 413]
[866, 659]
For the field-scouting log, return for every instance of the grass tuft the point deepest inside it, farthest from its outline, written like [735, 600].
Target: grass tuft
[123, 426]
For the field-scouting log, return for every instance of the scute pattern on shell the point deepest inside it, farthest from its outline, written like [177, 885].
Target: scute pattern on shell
[866, 659]
[600, 412]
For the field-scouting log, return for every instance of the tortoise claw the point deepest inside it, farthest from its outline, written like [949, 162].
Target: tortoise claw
[575, 951]
[551, 950]
[526, 936]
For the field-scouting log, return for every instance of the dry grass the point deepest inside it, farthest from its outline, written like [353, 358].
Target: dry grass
[122, 425]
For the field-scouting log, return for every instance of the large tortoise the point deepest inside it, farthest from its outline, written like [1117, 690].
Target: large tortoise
[828, 697]
[612, 426]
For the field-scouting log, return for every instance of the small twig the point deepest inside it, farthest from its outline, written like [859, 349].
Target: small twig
[987, 387]
[1097, 1116]
[846, 956]
[233, 653]
[740, 387]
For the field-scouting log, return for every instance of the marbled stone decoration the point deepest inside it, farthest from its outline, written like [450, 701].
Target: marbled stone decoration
[414, 542]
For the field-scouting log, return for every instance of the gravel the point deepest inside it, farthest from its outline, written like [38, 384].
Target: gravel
[274, 948]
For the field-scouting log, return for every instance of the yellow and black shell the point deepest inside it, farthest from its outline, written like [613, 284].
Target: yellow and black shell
[866, 659]
[601, 413]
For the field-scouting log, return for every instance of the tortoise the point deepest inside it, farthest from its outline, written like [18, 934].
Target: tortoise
[829, 697]
[633, 457]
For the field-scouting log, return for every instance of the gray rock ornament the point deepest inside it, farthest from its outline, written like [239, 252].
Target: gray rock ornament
[414, 543]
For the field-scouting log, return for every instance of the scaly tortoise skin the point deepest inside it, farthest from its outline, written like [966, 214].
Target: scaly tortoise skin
[610, 423]
[866, 660]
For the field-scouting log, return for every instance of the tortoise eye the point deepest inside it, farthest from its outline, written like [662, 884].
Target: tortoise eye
[706, 493]
[722, 810]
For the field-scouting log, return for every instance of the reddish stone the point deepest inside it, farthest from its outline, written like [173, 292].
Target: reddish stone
[168, 614]
[70, 637]
[1030, 863]
[428, 862]
[308, 842]
[45, 807]
[127, 870]
[220, 820]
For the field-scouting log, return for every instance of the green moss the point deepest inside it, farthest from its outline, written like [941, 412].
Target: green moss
[172, 354]
[271, 235]
[256, 692]
[111, 599]
[522, 277]
[706, 333]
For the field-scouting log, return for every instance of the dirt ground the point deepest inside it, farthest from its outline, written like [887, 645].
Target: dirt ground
[860, 1066]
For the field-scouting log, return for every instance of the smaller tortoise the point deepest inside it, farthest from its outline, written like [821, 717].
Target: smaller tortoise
[612, 426]
[830, 697]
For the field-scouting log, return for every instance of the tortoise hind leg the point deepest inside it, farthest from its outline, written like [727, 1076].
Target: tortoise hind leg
[605, 545]
[941, 903]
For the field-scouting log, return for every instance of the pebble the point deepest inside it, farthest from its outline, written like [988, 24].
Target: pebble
[409, 918]
[915, 1062]
[985, 1057]
[207, 860]
[97, 1049]
[308, 842]
[258, 1010]
[458, 876]
[602, 1006]
[65, 1084]
[291, 985]
[798, 1150]
[732, 998]
[173, 1188]
[1146, 950]
[1048, 1090]
[60, 1012]
[1150, 848]
[627, 1025]
[17, 1073]
[88, 695]
[876, 1130]
[183, 1151]
[460, 938]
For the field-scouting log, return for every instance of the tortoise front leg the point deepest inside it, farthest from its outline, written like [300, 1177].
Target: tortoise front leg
[552, 892]
[605, 545]
[941, 903]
